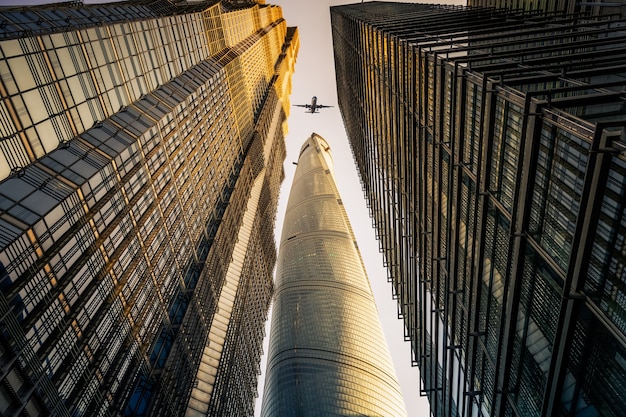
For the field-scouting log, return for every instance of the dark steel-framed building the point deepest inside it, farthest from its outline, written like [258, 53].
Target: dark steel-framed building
[327, 352]
[593, 8]
[141, 157]
[491, 146]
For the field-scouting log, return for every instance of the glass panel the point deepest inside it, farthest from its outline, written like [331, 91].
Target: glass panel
[558, 183]
[595, 381]
[537, 322]
[606, 277]
[20, 71]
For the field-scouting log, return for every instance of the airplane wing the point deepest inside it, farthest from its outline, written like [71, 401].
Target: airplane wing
[321, 106]
[308, 106]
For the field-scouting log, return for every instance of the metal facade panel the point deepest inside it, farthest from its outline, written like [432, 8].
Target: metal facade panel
[506, 152]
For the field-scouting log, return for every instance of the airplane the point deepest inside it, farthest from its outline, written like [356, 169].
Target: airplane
[313, 106]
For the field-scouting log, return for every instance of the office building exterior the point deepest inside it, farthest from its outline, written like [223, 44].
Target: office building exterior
[327, 353]
[593, 8]
[491, 146]
[140, 162]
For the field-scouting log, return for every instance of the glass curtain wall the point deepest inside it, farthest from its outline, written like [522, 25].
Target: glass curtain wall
[490, 144]
[140, 162]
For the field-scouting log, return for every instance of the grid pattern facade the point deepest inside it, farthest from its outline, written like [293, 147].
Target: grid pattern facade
[141, 158]
[557, 6]
[327, 354]
[491, 147]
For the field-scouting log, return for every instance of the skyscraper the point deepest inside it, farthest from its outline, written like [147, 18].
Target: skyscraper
[140, 161]
[491, 146]
[327, 353]
[616, 7]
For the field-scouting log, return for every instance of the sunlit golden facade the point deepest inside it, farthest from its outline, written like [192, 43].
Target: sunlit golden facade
[141, 157]
[327, 353]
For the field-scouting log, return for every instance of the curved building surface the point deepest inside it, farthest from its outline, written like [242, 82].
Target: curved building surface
[327, 354]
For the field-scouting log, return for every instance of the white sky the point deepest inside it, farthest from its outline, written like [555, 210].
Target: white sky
[315, 76]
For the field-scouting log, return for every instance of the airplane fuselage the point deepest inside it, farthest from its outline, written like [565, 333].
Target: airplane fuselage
[313, 104]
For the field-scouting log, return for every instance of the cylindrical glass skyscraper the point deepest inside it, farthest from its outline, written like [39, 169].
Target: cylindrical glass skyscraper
[328, 354]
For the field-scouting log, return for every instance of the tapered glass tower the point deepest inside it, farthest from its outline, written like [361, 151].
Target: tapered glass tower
[141, 154]
[328, 355]
[491, 143]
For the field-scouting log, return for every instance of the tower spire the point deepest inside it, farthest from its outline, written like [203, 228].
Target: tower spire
[327, 354]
